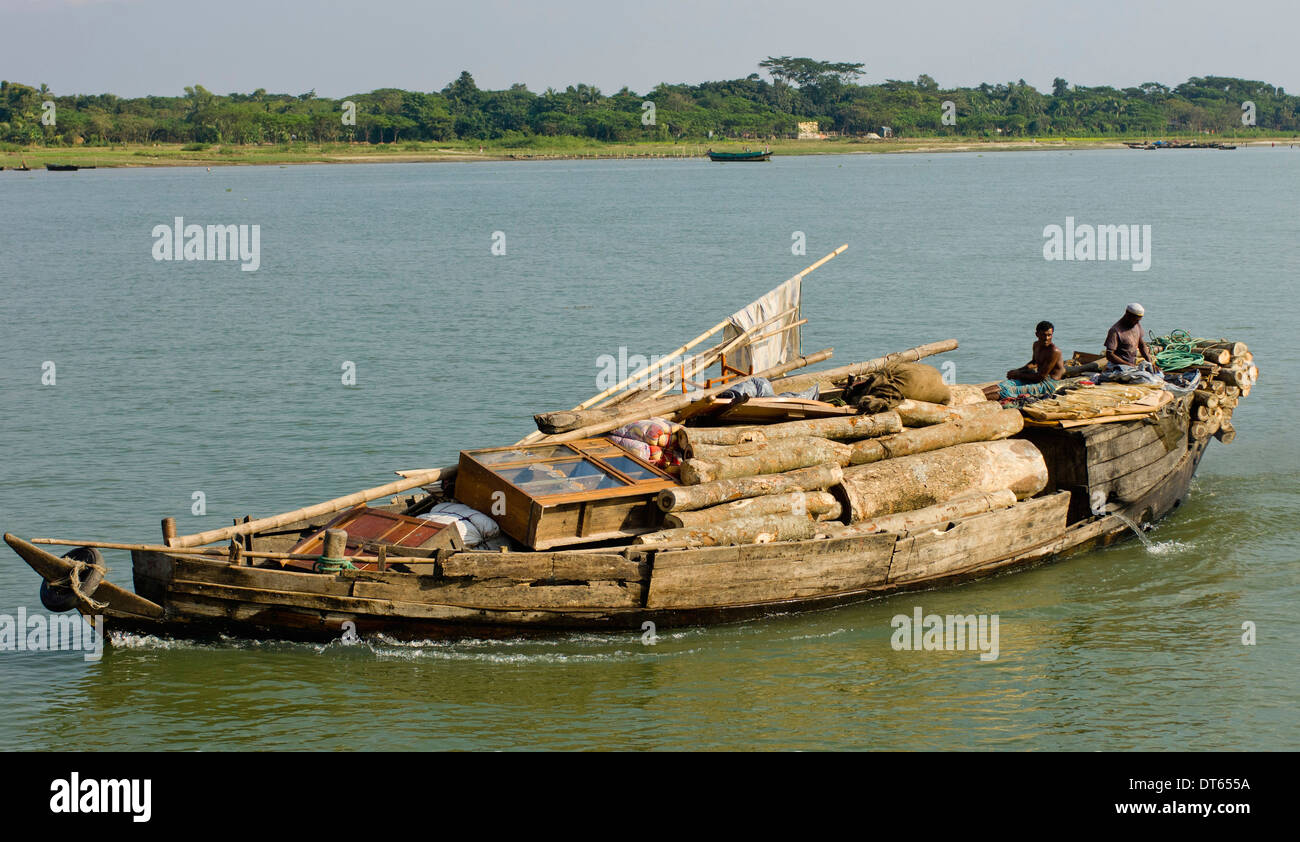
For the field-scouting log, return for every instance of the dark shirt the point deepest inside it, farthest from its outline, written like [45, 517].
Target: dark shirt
[1124, 342]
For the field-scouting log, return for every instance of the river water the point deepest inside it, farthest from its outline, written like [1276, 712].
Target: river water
[172, 379]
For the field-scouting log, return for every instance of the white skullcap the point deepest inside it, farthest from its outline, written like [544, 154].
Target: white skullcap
[1135, 308]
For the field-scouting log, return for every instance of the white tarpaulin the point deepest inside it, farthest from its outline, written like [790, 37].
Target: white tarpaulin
[777, 348]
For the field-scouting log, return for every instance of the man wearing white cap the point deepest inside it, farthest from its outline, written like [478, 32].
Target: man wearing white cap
[1124, 342]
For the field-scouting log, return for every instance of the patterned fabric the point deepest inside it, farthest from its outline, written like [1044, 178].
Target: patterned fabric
[1011, 389]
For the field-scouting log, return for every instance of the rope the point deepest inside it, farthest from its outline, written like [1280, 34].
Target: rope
[332, 565]
[73, 582]
[1178, 351]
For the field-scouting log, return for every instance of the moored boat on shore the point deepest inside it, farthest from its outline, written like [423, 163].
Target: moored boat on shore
[728, 157]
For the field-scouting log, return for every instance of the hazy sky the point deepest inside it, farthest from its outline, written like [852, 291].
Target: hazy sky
[338, 47]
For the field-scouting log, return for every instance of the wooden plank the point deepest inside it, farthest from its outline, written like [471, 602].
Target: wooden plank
[510, 594]
[218, 573]
[1132, 486]
[973, 541]
[378, 598]
[542, 566]
[757, 573]
[1121, 445]
[1126, 463]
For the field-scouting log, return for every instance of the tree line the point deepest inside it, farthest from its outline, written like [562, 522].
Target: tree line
[799, 90]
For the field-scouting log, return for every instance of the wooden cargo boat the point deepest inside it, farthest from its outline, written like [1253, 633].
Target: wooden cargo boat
[457, 593]
[406, 579]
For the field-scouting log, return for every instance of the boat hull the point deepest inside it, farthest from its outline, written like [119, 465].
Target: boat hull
[739, 157]
[467, 594]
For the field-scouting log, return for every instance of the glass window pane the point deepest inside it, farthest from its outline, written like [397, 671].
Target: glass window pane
[566, 477]
[626, 466]
[520, 454]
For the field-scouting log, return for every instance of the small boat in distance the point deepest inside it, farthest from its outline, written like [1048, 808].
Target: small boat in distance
[764, 155]
[62, 167]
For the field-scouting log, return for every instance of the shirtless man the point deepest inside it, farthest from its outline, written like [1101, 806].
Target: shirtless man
[1045, 363]
[1045, 366]
[1124, 342]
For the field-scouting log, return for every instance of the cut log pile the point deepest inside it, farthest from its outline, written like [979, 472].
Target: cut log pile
[917, 464]
[1227, 375]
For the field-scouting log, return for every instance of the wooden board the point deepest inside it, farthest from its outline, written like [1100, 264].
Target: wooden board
[1130, 487]
[1125, 463]
[977, 540]
[757, 573]
[531, 567]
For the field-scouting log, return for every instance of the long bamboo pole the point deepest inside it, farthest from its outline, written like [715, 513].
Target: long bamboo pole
[669, 357]
[632, 378]
[714, 354]
[802, 381]
[536, 435]
[216, 553]
[669, 407]
[413, 480]
[417, 478]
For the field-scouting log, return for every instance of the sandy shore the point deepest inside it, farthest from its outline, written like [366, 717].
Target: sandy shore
[174, 155]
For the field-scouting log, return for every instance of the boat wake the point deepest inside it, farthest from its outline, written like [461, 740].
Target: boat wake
[565, 649]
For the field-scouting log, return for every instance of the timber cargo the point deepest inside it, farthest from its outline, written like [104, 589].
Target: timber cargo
[681, 499]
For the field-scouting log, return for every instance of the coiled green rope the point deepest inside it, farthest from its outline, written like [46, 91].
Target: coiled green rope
[332, 565]
[1177, 351]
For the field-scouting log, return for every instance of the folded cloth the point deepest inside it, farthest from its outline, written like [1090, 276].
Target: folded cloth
[754, 387]
[1010, 389]
[761, 387]
[1183, 382]
[1143, 373]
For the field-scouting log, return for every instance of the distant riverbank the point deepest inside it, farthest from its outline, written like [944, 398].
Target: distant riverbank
[194, 155]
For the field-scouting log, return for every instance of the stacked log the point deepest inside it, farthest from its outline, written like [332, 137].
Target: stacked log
[985, 426]
[766, 457]
[924, 414]
[780, 455]
[750, 530]
[691, 497]
[694, 441]
[965, 505]
[961, 394]
[927, 479]
[821, 505]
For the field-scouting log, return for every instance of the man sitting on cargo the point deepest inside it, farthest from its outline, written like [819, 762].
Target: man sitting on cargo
[1124, 342]
[1040, 376]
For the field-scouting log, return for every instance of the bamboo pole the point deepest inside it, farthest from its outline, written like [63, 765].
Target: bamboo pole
[413, 480]
[712, 355]
[618, 387]
[802, 381]
[596, 421]
[217, 554]
[645, 372]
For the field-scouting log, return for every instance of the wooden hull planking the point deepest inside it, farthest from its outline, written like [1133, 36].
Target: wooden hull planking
[477, 594]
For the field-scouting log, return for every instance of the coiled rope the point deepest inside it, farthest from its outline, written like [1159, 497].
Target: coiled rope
[1178, 351]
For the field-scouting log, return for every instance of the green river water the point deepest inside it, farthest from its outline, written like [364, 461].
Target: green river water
[179, 377]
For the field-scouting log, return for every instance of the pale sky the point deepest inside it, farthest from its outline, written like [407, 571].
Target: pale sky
[338, 47]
